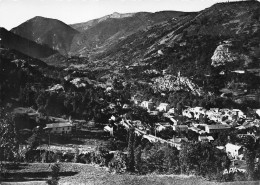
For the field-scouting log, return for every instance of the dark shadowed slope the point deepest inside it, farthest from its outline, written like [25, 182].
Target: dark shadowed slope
[12, 54]
[28, 47]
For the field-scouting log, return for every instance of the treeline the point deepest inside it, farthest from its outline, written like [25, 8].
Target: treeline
[198, 158]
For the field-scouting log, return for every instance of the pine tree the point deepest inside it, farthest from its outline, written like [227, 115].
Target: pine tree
[130, 149]
[8, 138]
[138, 160]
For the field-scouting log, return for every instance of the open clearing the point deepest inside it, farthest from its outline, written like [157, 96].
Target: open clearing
[75, 173]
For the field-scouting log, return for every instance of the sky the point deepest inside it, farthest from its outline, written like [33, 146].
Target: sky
[15, 12]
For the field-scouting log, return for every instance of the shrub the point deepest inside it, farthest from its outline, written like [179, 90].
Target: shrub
[118, 163]
[239, 176]
[68, 157]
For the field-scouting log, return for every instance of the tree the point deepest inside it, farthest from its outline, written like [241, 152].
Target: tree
[34, 140]
[76, 156]
[8, 138]
[130, 149]
[189, 158]
[251, 147]
[171, 159]
[55, 169]
[203, 159]
[41, 100]
[138, 160]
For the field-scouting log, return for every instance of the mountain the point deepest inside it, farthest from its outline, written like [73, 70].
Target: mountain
[54, 33]
[188, 43]
[28, 47]
[99, 34]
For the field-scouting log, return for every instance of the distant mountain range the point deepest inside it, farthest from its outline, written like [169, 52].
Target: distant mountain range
[166, 40]
[99, 34]
[188, 42]
[93, 36]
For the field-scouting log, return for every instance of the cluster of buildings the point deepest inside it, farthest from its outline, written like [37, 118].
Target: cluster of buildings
[173, 83]
[206, 123]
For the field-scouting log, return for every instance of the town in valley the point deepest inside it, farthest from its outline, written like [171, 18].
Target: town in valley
[167, 97]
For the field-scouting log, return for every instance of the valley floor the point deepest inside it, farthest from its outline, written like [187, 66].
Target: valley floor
[75, 173]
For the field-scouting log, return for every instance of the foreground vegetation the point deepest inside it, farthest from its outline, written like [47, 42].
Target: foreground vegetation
[89, 174]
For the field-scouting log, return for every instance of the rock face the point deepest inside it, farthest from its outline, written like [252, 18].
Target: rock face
[222, 55]
[225, 54]
[54, 33]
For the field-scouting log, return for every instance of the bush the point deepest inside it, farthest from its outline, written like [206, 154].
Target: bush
[239, 176]
[118, 163]
[68, 157]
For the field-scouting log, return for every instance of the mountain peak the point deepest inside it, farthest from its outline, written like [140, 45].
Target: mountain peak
[39, 17]
[52, 32]
[117, 15]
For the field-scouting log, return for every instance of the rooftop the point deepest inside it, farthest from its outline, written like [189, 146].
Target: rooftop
[217, 126]
[57, 125]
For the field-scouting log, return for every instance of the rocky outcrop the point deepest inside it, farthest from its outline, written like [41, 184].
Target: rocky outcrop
[225, 54]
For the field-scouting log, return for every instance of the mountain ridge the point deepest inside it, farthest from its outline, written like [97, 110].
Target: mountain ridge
[238, 20]
[98, 34]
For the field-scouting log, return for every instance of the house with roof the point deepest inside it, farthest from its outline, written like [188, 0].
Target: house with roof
[56, 88]
[180, 128]
[194, 129]
[112, 105]
[109, 129]
[235, 151]
[179, 139]
[147, 105]
[153, 113]
[59, 128]
[126, 106]
[187, 113]
[216, 128]
[78, 124]
[163, 107]
[205, 138]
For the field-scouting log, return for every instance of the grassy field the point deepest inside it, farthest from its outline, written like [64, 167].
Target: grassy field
[72, 173]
